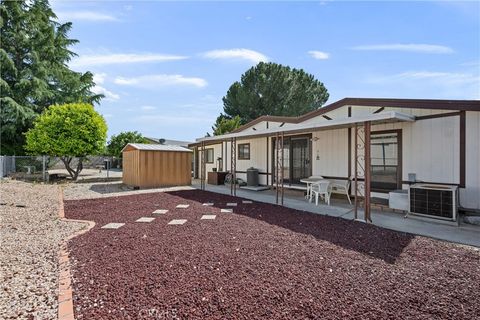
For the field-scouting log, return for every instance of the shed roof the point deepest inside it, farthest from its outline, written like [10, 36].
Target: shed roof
[155, 147]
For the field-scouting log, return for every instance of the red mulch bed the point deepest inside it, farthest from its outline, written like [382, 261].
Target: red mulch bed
[261, 262]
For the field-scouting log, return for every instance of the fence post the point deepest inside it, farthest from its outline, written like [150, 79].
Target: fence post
[44, 168]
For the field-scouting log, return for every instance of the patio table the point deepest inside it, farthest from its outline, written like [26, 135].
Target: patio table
[309, 181]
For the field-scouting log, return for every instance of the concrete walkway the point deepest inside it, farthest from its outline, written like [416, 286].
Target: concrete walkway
[463, 234]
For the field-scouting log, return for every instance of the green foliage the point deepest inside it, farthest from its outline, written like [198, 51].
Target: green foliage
[34, 53]
[273, 89]
[225, 125]
[119, 141]
[68, 131]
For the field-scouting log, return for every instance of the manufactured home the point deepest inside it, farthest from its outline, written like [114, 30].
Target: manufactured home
[403, 142]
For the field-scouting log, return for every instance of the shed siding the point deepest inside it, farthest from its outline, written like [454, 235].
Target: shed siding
[148, 169]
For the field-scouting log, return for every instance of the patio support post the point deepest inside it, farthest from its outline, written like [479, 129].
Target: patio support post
[279, 154]
[355, 155]
[281, 167]
[276, 166]
[202, 167]
[233, 166]
[367, 171]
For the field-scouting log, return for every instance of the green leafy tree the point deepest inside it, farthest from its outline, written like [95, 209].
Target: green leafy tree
[68, 131]
[34, 74]
[119, 141]
[273, 89]
[225, 124]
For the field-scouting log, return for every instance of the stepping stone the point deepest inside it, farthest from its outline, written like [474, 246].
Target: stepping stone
[160, 211]
[246, 201]
[113, 225]
[209, 204]
[145, 219]
[226, 210]
[183, 206]
[231, 204]
[177, 221]
[208, 217]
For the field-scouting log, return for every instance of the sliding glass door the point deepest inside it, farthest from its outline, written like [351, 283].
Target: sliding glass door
[296, 158]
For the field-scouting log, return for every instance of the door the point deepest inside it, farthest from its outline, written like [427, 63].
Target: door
[296, 159]
[300, 159]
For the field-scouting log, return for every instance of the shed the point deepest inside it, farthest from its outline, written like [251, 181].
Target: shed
[156, 165]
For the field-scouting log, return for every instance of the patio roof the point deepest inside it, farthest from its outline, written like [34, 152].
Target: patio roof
[382, 117]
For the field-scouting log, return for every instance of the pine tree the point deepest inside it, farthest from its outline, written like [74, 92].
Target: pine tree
[273, 89]
[34, 52]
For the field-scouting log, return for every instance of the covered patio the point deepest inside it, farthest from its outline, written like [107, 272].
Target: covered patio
[359, 135]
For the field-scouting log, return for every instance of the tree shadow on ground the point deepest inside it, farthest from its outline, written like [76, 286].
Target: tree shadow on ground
[364, 238]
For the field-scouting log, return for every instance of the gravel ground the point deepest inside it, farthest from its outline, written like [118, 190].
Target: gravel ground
[261, 262]
[30, 235]
[89, 190]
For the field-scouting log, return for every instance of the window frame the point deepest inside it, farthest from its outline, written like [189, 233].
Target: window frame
[241, 156]
[206, 155]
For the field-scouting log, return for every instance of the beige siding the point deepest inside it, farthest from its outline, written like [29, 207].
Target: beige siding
[330, 153]
[470, 196]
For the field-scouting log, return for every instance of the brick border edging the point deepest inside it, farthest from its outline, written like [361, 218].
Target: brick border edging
[65, 298]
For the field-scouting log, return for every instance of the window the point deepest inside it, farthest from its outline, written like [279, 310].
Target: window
[209, 155]
[386, 161]
[244, 151]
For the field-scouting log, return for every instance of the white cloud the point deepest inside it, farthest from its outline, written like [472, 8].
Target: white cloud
[99, 79]
[122, 58]
[161, 80]
[85, 16]
[109, 95]
[431, 84]
[320, 55]
[148, 108]
[236, 54]
[419, 48]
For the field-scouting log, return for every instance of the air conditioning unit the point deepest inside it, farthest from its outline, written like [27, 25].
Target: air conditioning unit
[434, 201]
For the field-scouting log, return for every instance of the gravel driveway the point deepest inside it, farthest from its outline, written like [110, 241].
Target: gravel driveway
[260, 262]
[30, 235]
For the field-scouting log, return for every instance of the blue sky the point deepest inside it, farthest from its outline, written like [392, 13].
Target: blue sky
[165, 66]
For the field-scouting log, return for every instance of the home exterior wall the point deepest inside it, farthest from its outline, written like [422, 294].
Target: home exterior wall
[431, 148]
[470, 196]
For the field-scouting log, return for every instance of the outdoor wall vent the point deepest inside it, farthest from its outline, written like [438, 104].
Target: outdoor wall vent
[434, 201]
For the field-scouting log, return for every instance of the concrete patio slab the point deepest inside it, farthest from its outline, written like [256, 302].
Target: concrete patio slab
[464, 233]
[113, 225]
[177, 221]
[226, 210]
[231, 204]
[208, 217]
[160, 211]
[208, 204]
[145, 219]
[182, 206]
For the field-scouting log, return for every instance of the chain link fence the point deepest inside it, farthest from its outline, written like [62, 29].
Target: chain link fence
[46, 168]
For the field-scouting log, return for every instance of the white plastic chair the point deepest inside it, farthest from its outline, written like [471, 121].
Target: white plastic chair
[321, 188]
[342, 185]
[309, 186]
